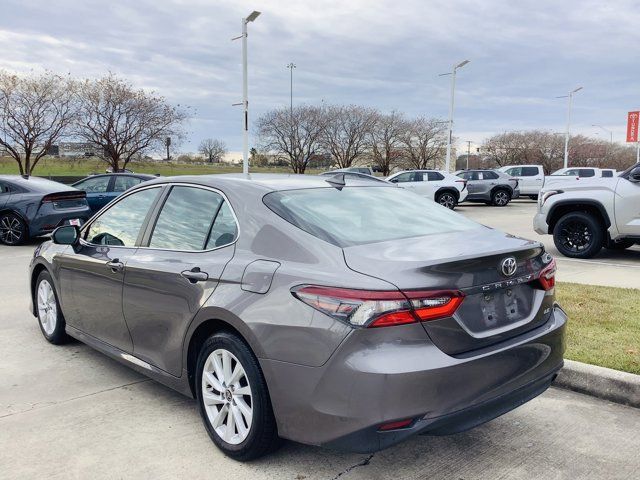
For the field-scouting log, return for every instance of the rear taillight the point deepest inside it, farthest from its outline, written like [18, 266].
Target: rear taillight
[57, 197]
[547, 277]
[366, 308]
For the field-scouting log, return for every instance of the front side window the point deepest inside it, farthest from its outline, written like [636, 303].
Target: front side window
[125, 182]
[607, 173]
[586, 172]
[193, 219]
[514, 172]
[94, 185]
[402, 178]
[120, 225]
[361, 215]
[4, 188]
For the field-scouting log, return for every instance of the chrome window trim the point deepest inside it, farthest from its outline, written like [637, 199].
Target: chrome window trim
[160, 185]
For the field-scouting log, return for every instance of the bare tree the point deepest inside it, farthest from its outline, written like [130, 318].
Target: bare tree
[425, 142]
[123, 121]
[294, 135]
[385, 137]
[213, 149]
[35, 112]
[346, 132]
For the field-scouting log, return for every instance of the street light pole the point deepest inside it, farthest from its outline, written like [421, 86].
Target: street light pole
[567, 132]
[468, 152]
[291, 66]
[245, 92]
[451, 105]
[606, 130]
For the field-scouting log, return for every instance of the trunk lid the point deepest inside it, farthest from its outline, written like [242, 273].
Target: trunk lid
[496, 306]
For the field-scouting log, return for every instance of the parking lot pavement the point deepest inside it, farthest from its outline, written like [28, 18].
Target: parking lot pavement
[70, 412]
[609, 268]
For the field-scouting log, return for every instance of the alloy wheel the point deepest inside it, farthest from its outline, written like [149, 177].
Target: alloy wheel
[501, 199]
[447, 200]
[47, 307]
[576, 236]
[11, 229]
[227, 396]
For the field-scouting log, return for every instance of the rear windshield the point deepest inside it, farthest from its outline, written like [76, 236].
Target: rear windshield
[361, 215]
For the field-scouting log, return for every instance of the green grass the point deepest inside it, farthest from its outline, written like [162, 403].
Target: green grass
[604, 325]
[85, 166]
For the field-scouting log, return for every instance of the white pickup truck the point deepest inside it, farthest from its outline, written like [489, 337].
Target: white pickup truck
[530, 178]
[593, 213]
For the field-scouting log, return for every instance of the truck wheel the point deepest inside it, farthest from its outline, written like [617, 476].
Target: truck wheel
[500, 198]
[619, 245]
[578, 235]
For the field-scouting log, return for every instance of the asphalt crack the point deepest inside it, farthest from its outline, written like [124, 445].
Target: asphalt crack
[363, 463]
[38, 406]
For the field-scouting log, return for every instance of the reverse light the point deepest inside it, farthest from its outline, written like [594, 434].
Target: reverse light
[547, 277]
[367, 308]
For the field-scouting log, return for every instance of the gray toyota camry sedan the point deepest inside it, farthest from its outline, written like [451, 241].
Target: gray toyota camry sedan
[329, 311]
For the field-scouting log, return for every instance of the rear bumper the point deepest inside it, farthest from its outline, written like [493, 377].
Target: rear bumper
[374, 378]
[46, 222]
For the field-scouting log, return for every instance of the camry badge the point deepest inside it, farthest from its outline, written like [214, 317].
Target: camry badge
[508, 266]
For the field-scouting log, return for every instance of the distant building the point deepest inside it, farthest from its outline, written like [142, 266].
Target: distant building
[79, 149]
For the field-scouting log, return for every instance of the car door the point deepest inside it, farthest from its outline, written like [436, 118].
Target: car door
[91, 275]
[473, 183]
[167, 281]
[627, 207]
[97, 191]
[531, 180]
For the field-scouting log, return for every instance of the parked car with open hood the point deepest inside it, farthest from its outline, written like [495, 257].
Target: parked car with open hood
[33, 206]
[329, 311]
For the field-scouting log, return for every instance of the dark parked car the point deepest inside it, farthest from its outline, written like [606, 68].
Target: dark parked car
[32, 206]
[490, 186]
[350, 315]
[101, 189]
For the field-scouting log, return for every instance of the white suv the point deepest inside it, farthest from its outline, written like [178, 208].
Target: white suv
[443, 188]
[588, 215]
[530, 178]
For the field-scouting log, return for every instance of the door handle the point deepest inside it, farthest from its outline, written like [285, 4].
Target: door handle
[195, 275]
[115, 265]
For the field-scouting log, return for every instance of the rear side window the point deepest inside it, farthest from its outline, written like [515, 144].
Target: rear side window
[529, 172]
[120, 225]
[94, 185]
[607, 173]
[361, 215]
[193, 219]
[489, 175]
[125, 183]
[434, 176]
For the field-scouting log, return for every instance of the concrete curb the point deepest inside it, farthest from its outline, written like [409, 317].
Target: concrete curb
[604, 383]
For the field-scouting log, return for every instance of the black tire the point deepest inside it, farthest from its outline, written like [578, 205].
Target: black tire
[578, 235]
[52, 328]
[619, 245]
[500, 198]
[262, 436]
[447, 199]
[13, 230]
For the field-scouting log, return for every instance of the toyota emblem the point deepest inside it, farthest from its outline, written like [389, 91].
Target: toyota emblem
[508, 266]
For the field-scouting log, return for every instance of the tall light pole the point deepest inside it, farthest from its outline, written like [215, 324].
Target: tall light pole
[606, 130]
[453, 90]
[567, 132]
[291, 66]
[245, 92]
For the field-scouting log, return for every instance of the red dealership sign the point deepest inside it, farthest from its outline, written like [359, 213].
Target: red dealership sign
[632, 126]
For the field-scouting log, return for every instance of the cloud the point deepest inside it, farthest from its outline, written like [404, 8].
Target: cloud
[385, 54]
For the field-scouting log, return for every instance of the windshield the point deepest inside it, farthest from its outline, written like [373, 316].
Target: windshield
[361, 215]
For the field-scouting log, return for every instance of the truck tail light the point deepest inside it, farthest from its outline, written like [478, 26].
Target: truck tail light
[374, 308]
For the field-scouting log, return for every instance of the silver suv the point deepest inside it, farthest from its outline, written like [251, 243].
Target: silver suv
[490, 186]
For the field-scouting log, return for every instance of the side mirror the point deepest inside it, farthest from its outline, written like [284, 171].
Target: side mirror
[634, 175]
[66, 235]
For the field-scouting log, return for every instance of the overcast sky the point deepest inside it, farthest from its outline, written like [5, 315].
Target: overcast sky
[384, 54]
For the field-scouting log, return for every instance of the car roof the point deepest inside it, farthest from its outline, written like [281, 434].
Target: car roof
[265, 181]
[36, 184]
